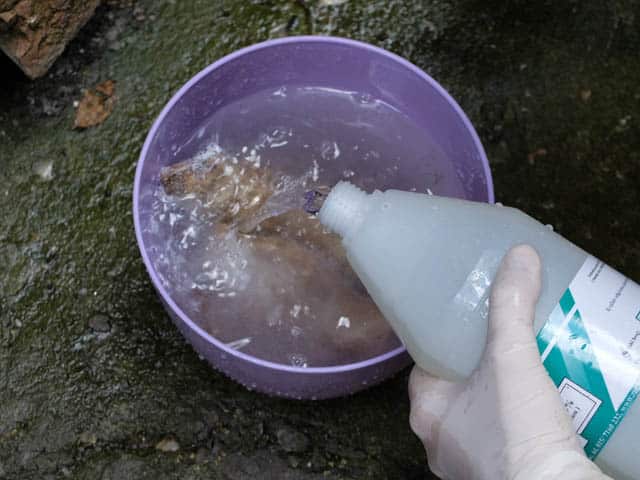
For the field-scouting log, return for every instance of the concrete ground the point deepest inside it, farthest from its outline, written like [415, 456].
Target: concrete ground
[92, 372]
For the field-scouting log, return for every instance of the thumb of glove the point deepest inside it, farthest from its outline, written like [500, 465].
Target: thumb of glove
[533, 421]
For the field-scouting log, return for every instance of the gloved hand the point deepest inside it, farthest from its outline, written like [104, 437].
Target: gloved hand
[507, 420]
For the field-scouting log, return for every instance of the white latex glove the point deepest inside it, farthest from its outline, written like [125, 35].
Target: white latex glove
[507, 420]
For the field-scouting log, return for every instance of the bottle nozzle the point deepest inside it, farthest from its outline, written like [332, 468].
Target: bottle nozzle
[343, 210]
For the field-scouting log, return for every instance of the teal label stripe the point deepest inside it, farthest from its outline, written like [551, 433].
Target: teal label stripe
[553, 327]
[567, 302]
[568, 354]
[617, 418]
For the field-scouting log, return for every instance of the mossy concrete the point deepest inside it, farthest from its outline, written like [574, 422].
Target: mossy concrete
[92, 372]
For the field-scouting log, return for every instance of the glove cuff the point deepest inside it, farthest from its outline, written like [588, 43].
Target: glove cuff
[565, 465]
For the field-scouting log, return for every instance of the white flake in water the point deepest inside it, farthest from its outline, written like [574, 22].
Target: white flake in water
[348, 173]
[210, 150]
[298, 360]
[329, 151]
[277, 138]
[295, 311]
[188, 233]
[344, 322]
[228, 170]
[363, 98]
[173, 217]
[253, 158]
[429, 192]
[44, 170]
[330, 3]
[315, 171]
[240, 343]
[281, 92]
[296, 331]
[213, 274]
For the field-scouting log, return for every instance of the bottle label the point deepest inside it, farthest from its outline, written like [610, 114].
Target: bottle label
[590, 345]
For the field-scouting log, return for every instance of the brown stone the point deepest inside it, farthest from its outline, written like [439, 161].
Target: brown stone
[33, 33]
[233, 188]
[96, 105]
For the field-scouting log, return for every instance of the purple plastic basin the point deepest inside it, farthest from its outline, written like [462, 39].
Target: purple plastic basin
[318, 61]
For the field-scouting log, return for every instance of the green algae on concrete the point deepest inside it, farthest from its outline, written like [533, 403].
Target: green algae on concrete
[92, 372]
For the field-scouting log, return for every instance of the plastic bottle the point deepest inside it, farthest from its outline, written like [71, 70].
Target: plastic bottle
[428, 263]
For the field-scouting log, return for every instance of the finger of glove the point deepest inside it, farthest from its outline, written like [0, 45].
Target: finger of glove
[533, 416]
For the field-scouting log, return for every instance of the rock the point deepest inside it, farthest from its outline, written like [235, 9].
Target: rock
[33, 33]
[87, 439]
[100, 323]
[292, 441]
[96, 105]
[168, 444]
[228, 185]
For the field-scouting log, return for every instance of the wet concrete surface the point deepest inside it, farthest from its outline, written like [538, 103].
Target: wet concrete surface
[95, 382]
